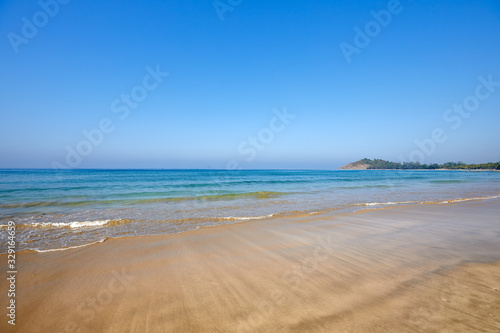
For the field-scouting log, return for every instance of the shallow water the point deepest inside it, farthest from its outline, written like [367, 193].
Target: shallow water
[59, 209]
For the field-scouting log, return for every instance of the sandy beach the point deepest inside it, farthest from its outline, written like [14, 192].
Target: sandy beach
[250, 166]
[420, 268]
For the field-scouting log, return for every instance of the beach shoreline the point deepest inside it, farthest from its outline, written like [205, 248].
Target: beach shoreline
[374, 270]
[88, 206]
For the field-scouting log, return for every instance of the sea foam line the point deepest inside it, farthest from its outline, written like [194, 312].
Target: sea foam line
[72, 225]
[387, 203]
[426, 202]
[245, 218]
[468, 199]
[69, 247]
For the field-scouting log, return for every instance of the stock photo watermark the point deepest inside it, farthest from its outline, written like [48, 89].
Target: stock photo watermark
[364, 36]
[454, 117]
[253, 144]
[122, 107]
[11, 272]
[31, 26]
[298, 273]
[294, 278]
[91, 306]
[250, 147]
[223, 6]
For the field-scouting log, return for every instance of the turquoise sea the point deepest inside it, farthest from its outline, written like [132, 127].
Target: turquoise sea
[55, 210]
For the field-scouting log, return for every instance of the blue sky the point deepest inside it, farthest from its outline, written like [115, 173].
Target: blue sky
[228, 79]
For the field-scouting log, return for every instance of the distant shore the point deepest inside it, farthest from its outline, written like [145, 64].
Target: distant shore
[462, 170]
[388, 270]
[378, 164]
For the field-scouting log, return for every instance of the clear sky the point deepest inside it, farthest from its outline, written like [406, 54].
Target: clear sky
[250, 84]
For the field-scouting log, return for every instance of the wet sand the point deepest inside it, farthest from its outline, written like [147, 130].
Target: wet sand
[423, 268]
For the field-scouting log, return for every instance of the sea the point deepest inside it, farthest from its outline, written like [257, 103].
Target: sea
[55, 210]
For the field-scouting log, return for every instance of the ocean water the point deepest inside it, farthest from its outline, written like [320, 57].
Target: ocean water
[56, 210]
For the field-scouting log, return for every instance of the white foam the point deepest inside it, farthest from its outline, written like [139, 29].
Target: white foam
[387, 203]
[244, 218]
[421, 202]
[69, 247]
[72, 225]
[468, 199]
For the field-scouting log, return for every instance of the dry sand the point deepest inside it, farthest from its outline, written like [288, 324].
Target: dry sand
[425, 268]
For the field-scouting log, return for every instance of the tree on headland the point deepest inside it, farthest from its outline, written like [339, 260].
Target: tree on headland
[376, 163]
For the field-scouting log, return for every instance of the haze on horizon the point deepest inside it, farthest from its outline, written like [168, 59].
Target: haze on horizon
[241, 84]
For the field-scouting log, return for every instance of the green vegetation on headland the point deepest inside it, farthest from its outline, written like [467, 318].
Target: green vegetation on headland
[366, 164]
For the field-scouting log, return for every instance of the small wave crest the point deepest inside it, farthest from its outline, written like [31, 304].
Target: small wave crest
[246, 218]
[468, 199]
[72, 225]
[387, 203]
[425, 202]
[69, 247]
